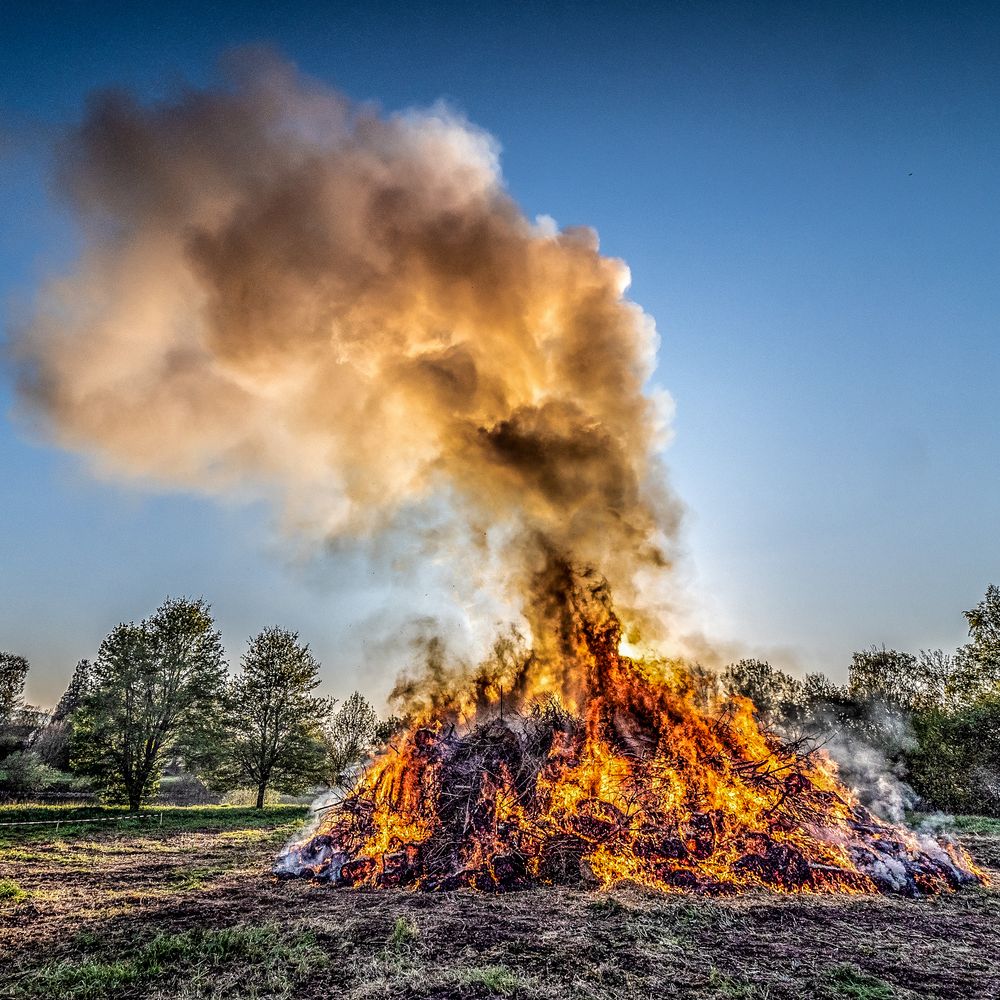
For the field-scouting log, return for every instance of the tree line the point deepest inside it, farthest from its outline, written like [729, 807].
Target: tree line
[158, 694]
[932, 717]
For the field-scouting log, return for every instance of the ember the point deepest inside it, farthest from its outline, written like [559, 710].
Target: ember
[646, 781]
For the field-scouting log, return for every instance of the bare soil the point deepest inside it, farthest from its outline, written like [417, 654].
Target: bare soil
[94, 914]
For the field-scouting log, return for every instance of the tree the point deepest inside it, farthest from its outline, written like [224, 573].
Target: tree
[884, 675]
[353, 734]
[978, 662]
[52, 740]
[774, 693]
[984, 626]
[51, 743]
[13, 670]
[24, 774]
[75, 691]
[955, 765]
[274, 724]
[155, 689]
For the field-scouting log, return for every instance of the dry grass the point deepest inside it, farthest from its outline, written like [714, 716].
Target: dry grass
[191, 911]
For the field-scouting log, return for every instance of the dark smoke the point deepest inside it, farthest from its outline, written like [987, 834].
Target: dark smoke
[283, 293]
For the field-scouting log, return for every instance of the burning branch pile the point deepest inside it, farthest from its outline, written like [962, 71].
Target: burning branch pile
[650, 782]
[281, 294]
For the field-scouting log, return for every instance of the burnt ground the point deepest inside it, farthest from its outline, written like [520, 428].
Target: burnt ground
[194, 912]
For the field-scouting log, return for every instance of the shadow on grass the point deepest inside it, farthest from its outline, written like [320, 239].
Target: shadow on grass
[74, 822]
[234, 960]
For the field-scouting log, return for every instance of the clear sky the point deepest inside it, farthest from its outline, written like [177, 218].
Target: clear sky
[808, 197]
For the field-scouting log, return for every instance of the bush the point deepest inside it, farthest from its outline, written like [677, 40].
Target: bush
[25, 774]
[185, 790]
[956, 765]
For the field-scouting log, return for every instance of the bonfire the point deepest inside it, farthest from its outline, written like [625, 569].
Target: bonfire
[642, 775]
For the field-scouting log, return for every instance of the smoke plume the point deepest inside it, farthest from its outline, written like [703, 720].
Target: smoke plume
[284, 293]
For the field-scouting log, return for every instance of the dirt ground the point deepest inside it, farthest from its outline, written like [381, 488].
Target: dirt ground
[196, 913]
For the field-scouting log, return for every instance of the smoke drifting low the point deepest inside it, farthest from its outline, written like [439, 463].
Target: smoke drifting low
[281, 292]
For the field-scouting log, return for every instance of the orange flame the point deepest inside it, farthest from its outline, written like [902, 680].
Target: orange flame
[645, 785]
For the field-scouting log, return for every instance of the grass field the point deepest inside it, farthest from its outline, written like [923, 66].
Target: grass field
[182, 904]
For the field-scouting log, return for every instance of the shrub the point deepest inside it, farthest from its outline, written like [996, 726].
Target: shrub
[404, 933]
[185, 790]
[24, 774]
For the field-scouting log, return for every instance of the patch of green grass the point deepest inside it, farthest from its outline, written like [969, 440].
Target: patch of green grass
[404, 933]
[691, 917]
[987, 826]
[254, 837]
[393, 967]
[386, 973]
[43, 857]
[607, 906]
[394, 973]
[982, 825]
[202, 960]
[11, 892]
[653, 932]
[195, 879]
[854, 984]
[498, 980]
[732, 988]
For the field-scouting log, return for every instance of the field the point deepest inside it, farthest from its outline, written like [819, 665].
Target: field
[182, 904]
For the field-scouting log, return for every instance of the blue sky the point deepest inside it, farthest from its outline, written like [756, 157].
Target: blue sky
[807, 195]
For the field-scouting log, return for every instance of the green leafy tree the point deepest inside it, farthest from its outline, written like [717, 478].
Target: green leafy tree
[13, 671]
[978, 662]
[75, 691]
[155, 690]
[353, 735]
[955, 765]
[984, 626]
[274, 731]
[818, 689]
[775, 694]
[883, 675]
[52, 740]
[24, 774]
